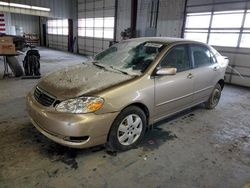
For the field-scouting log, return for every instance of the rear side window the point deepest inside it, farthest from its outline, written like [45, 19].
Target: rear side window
[178, 58]
[202, 56]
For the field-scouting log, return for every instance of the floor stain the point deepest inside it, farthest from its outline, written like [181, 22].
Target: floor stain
[58, 153]
[4, 122]
[53, 173]
[155, 137]
[54, 151]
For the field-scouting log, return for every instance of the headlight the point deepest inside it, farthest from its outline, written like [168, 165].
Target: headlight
[80, 105]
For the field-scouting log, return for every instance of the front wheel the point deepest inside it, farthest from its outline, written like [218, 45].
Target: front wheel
[214, 98]
[127, 129]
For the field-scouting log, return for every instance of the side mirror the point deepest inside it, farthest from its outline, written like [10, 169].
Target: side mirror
[166, 71]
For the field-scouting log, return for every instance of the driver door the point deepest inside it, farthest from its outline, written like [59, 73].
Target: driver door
[174, 92]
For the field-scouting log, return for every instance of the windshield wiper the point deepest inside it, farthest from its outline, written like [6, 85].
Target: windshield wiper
[99, 65]
[123, 72]
[105, 68]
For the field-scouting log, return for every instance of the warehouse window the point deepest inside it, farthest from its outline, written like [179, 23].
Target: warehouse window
[96, 27]
[58, 27]
[219, 28]
[197, 26]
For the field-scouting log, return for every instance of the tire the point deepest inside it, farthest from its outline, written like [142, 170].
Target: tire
[123, 137]
[214, 98]
[14, 66]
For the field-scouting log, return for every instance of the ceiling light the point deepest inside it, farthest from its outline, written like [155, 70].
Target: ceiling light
[4, 3]
[40, 8]
[20, 5]
[24, 6]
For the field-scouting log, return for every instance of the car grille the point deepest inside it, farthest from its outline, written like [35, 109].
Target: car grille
[43, 97]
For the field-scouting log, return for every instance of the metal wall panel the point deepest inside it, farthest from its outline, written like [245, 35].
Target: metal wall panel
[59, 42]
[170, 18]
[29, 23]
[142, 15]
[169, 22]
[123, 17]
[59, 8]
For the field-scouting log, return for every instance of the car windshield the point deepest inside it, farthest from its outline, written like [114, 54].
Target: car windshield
[130, 57]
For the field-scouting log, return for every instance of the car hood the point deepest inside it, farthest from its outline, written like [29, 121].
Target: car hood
[80, 80]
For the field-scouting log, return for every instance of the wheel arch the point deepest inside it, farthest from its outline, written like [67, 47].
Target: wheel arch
[143, 107]
[140, 105]
[222, 83]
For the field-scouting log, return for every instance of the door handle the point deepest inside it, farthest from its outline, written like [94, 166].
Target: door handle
[190, 76]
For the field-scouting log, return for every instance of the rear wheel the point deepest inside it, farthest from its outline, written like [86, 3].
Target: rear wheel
[127, 129]
[214, 98]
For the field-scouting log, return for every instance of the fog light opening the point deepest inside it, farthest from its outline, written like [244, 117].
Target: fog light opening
[76, 138]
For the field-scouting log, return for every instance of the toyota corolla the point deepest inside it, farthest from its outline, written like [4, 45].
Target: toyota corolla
[127, 87]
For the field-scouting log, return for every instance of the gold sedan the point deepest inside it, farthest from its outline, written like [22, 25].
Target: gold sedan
[127, 87]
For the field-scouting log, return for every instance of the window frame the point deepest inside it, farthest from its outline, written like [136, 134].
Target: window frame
[186, 45]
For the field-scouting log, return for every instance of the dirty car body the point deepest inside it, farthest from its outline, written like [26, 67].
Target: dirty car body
[127, 87]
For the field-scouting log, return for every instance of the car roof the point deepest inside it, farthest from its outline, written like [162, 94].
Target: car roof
[165, 40]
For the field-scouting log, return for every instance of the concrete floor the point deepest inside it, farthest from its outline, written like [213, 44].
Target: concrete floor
[197, 148]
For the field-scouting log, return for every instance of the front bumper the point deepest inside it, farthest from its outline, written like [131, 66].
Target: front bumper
[59, 127]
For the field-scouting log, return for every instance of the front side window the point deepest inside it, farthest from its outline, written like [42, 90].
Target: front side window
[178, 58]
[202, 56]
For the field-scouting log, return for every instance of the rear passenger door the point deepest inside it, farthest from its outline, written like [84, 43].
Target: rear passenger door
[205, 72]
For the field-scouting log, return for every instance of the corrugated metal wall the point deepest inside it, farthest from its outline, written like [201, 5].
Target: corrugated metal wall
[170, 18]
[59, 8]
[59, 42]
[239, 57]
[123, 17]
[94, 9]
[142, 15]
[30, 24]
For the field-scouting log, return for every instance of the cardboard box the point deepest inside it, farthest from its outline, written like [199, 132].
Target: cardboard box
[7, 49]
[6, 39]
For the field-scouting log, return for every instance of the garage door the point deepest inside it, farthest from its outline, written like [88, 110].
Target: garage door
[57, 34]
[226, 26]
[95, 25]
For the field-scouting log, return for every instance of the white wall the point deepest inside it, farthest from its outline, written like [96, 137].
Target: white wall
[29, 23]
[142, 16]
[59, 8]
[123, 17]
[170, 18]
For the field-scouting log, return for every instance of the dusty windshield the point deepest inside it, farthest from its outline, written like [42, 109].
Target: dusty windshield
[131, 57]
